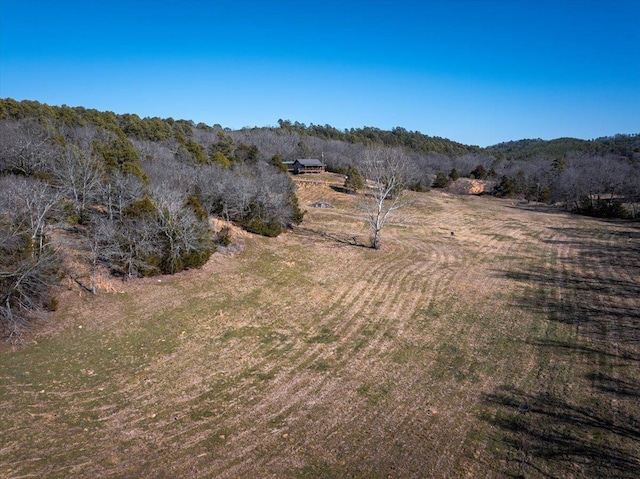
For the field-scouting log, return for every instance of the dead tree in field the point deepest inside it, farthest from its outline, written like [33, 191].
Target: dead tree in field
[384, 170]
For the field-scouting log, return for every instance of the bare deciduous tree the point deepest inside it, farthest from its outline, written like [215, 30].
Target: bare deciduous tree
[80, 176]
[119, 192]
[25, 147]
[30, 203]
[127, 247]
[384, 170]
[179, 228]
[27, 275]
[260, 192]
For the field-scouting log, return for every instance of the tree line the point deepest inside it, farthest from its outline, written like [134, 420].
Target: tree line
[530, 149]
[396, 137]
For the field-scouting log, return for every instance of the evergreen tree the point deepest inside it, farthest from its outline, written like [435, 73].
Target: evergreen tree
[479, 173]
[441, 181]
[353, 179]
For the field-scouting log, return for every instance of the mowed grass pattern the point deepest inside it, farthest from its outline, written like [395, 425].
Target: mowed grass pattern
[510, 349]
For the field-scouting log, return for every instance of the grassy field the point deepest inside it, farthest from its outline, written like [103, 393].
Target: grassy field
[511, 349]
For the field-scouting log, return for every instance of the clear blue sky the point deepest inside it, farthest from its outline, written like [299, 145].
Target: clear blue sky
[478, 72]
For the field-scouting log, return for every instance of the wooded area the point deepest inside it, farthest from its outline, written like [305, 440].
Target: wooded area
[133, 196]
[117, 193]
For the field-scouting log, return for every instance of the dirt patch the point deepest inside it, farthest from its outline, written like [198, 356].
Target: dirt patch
[466, 186]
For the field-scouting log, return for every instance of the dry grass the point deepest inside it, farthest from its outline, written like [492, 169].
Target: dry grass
[511, 349]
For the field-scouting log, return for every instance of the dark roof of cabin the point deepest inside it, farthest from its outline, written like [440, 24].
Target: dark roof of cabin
[310, 162]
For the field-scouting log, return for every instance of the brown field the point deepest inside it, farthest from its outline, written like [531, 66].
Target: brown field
[511, 349]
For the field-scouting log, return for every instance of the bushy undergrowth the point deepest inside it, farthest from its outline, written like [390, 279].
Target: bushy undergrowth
[265, 228]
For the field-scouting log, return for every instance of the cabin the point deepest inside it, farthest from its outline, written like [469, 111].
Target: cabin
[307, 166]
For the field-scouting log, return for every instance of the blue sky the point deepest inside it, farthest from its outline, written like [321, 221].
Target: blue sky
[478, 72]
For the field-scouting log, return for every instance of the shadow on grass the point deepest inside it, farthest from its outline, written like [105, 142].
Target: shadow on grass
[342, 189]
[590, 427]
[338, 240]
[348, 191]
[549, 436]
[615, 385]
[596, 289]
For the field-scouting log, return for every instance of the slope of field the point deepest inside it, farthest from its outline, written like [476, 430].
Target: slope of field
[510, 349]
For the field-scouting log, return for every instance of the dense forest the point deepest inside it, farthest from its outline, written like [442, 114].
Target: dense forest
[134, 196]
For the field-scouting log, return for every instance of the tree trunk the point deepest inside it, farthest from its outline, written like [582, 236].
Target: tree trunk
[375, 242]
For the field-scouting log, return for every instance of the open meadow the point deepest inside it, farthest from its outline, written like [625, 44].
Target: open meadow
[509, 349]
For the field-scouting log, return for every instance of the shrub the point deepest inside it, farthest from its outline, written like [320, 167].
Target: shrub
[268, 228]
[193, 203]
[52, 304]
[353, 180]
[140, 208]
[276, 161]
[218, 158]
[603, 208]
[479, 173]
[196, 259]
[506, 187]
[441, 181]
[224, 236]
[419, 187]
[149, 266]
[297, 214]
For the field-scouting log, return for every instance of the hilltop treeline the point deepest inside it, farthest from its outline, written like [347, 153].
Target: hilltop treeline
[620, 145]
[396, 137]
[133, 196]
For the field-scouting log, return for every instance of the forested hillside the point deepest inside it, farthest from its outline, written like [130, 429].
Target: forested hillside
[621, 145]
[129, 196]
[134, 196]
[398, 136]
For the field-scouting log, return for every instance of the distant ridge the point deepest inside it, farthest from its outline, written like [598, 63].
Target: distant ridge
[622, 145]
[158, 129]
